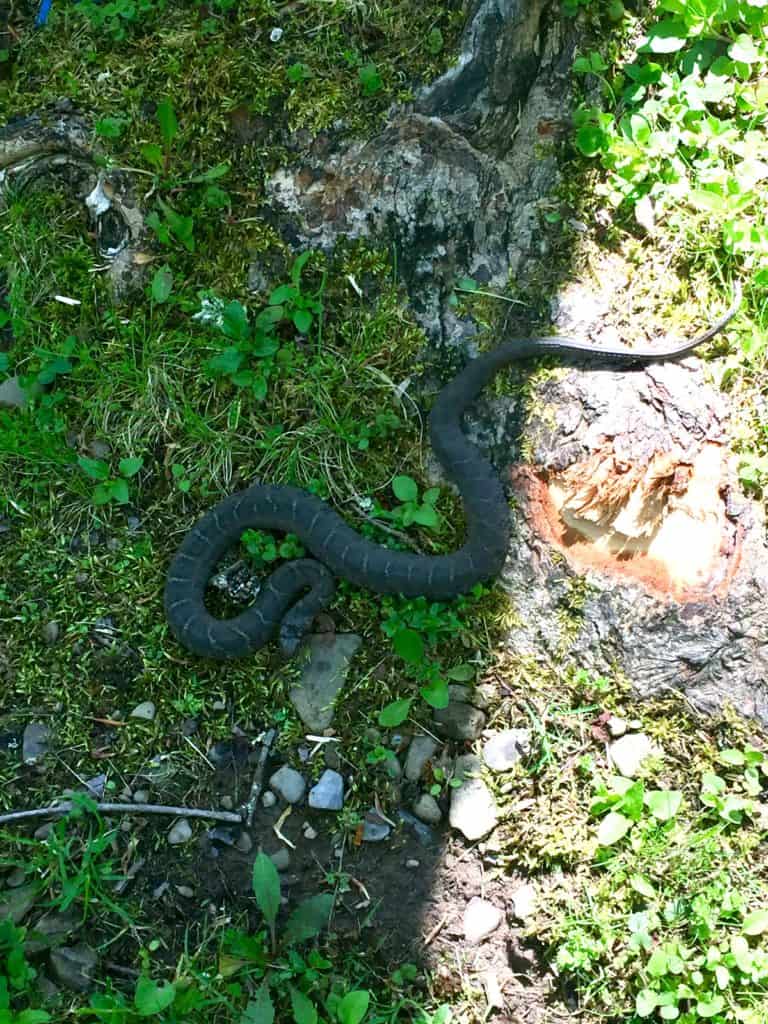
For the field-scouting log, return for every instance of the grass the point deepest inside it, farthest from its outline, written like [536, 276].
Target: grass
[173, 413]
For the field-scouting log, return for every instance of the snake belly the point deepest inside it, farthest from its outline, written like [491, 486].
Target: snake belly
[298, 590]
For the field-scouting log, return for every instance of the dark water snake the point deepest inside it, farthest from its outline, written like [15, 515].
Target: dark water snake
[298, 590]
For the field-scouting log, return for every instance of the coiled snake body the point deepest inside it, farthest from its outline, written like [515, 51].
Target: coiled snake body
[295, 592]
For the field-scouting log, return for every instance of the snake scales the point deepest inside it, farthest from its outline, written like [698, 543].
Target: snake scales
[295, 592]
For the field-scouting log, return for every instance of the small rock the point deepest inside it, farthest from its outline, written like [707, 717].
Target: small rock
[244, 842]
[52, 929]
[481, 918]
[473, 809]
[133, 523]
[393, 768]
[228, 803]
[17, 903]
[524, 901]
[323, 677]
[96, 786]
[502, 751]
[189, 727]
[145, 711]
[180, 832]
[460, 721]
[275, 35]
[50, 633]
[16, 878]
[186, 891]
[412, 864]
[422, 748]
[328, 794]
[74, 966]
[98, 449]
[617, 726]
[12, 394]
[289, 784]
[629, 752]
[269, 799]
[224, 835]
[375, 829]
[427, 809]
[160, 890]
[219, 705]
[43, 831]
[281, 859]
[141, 796]
[309, 832]
[458, 693]
[35, 742]
[423, 832]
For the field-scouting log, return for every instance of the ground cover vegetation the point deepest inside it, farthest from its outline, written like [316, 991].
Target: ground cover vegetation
[141, 414]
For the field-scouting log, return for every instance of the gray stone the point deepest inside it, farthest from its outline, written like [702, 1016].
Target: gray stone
[180, 832]
[617, 726]
[186, 891]
[289, 784]
[502, 751]
[524, 901]
[281, 859]
[473, 808]
[460, 721]
[412, 864]
[17, 903]
[323, 677]
[145, 711]
[427, 809]
[269, 799]
[375, 828]
[74, 966]
[481, 919]
[244, 843]
[12, 395]
[50, 633]
[16, 878]
[52, 929]
[35, 742]
[140, 796]
[422, 748]
[328, 794]
[628, 753]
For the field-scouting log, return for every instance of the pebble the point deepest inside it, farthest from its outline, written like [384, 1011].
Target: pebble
[275, 35]
[281, 859]
[375, 828]
[17, 903]
[73, 966]
[268, 799]
[423, 832]
[502, 751]
[427, 809]
[460, 721]
[244, 842]
[180, 832]
[145, 711]
[524, 901]
[12, 395]
[412, 864]
[422, 748]
[50, 633]
[481, 919]
[628, 753]
[323, 677]
[141, 796]
[328, 793]
[219, 705]
[35, 742]
[309, 832]
[96, 786]
[473, 808]
[43, 831]
[617, 726]
[228, 803]
[289, 784]
[16, 878]
[186, 891]
[160, 890]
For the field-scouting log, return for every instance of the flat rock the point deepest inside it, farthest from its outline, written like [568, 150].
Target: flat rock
[145, 711]
[289, 784]
[328, 793]
[17, 903]
[481, 918]
[375, 828]
[502, 751]
[281, 859]
[323, 677]
[460, 721]
[628, 753]
[50, 632]
[180, 832]
[35, 742]
[73, 966]
[12, 394]
[422, 748]
[52, 929]
[473, 808]
[524, 901]
[427, 809]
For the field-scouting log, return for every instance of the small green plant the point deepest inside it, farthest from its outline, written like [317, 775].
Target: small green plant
[169, 225]
[263, 548]
[370, 79]
[292, 302]
[110, 487]
[412, 509]
[117, 17]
